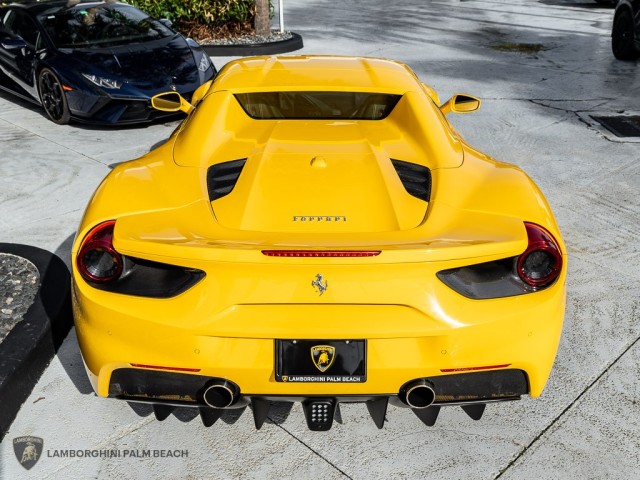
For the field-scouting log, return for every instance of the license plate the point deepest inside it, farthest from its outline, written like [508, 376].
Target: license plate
[321, 361]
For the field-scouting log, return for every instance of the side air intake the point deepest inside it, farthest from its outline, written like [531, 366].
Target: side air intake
[222, 177]
[415, 178]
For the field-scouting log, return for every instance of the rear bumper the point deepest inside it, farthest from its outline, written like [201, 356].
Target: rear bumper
[224, 329]
[471, 391]
[179, 389]
[238, 344]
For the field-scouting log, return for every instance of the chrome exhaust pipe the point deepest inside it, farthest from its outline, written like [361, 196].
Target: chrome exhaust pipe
[417, 393]
[221, 394]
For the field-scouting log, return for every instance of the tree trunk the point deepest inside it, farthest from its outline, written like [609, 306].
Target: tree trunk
[262, 23]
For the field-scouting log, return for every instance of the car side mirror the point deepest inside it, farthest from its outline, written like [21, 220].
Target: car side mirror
[460, 103]
[171, 102]
[166, 22]
[13, 43]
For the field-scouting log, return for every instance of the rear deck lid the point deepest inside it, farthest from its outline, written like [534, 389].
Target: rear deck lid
[308, 185]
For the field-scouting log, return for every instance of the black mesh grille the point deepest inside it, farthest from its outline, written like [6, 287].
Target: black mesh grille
[136, 111]
[415, 178]
[222, 177]
[621, 125]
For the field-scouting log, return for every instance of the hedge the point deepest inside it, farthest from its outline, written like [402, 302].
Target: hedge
[205, 12]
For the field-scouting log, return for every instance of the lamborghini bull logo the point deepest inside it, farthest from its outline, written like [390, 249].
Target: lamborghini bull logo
[27, 450]
[323, 356]
[319, 285]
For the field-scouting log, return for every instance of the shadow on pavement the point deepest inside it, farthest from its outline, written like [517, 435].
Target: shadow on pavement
[71, 360]
[69, 353]
[568, 3]
[278, 414]
[34, 340]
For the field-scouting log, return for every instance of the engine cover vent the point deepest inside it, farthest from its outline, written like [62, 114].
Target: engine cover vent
[222, 177]
[415, 178]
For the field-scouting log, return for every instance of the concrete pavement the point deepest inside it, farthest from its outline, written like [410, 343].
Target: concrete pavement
[540, 68]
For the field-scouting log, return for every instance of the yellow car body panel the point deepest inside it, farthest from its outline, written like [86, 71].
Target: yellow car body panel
[338, 177]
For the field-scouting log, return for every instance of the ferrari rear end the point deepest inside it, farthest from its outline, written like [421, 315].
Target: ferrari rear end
[318, 260]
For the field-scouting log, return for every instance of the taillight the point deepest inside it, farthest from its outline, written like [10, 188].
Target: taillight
[535, 269]
[541, 262]
[98, 261]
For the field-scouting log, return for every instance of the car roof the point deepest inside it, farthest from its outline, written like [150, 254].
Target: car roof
[317, 72]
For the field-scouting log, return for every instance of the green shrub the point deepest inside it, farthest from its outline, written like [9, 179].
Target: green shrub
[207, 12]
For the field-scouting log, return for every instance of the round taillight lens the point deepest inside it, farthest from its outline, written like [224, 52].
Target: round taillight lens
[98, 261]
[541, 262]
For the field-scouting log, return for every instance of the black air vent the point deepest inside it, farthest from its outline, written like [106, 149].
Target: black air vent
[222, 177]
[415, 178]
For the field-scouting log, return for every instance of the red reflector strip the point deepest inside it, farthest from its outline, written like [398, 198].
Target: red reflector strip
[321, 253]
[67, 89]
[472, 369]
[156, 367]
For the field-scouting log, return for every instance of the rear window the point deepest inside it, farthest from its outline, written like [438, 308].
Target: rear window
[317, 105]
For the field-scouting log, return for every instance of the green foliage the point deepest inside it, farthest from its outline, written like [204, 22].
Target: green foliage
[207, 12]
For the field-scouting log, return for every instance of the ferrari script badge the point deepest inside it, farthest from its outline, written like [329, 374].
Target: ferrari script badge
[320, 284]
[323, 356]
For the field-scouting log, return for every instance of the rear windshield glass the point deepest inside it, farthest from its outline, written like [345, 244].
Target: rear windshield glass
[317, 105]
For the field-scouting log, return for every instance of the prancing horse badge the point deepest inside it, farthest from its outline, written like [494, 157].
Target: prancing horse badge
[320, 284]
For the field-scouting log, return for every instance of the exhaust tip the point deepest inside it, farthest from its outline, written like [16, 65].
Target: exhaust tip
[417, 394]
[221, 394]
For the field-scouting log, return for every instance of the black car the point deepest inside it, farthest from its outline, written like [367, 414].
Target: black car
[95, 61]
[625, 34]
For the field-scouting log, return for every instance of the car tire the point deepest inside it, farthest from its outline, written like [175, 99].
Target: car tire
[623, 36]
[52, 97]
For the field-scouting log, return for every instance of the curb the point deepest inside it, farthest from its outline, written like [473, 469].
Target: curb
[32, 343]
[269, 48]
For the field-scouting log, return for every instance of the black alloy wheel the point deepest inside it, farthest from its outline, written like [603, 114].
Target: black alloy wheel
[623, 36]
[52, 97]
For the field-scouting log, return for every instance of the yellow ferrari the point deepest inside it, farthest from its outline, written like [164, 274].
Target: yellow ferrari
[316, 231]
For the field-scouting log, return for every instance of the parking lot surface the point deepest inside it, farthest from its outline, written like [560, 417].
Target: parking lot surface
[542, 69]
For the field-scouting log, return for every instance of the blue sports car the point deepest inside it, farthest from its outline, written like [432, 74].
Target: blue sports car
[95, 61]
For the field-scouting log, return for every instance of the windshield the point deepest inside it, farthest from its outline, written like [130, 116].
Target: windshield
[317, 105]
[88, 25]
